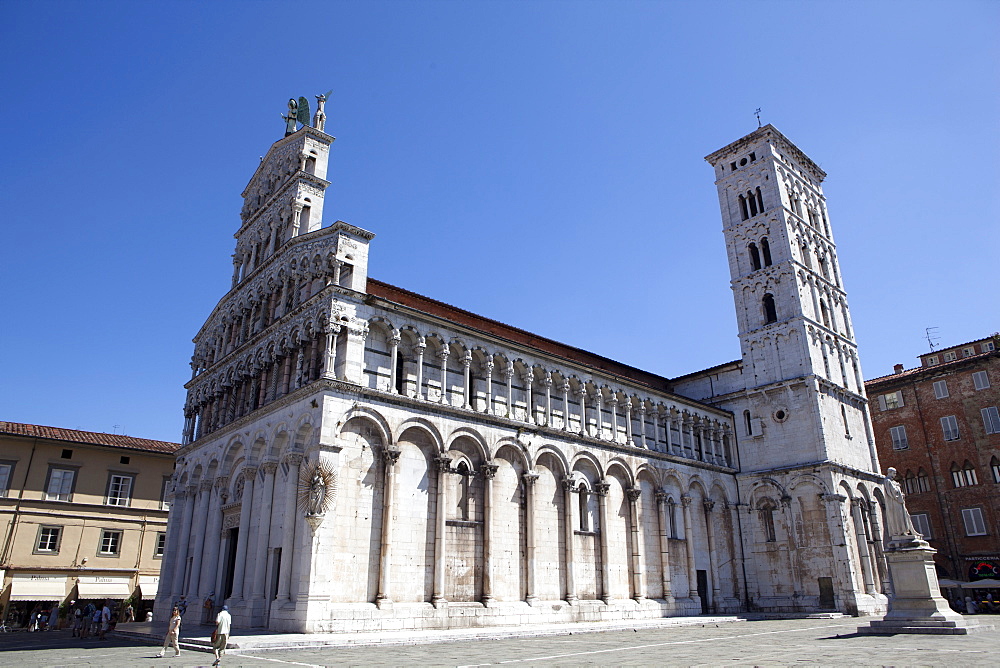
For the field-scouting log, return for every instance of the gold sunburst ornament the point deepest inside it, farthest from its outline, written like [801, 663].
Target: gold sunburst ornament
[317, 491]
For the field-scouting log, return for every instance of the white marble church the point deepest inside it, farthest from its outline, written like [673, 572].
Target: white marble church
[360, 457]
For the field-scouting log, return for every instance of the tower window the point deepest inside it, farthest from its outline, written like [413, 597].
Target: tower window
[754, 257]
[752, 203]
[766, 514]
[765, 249]
[748, 423]
[760, 200]
[743, 207]
[770, 314]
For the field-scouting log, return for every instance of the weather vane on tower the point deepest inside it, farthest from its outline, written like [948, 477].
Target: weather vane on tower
[757, 114]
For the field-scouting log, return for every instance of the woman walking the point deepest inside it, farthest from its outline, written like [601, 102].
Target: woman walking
[173, 634]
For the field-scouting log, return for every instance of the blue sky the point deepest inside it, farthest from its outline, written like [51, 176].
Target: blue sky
[540, 163]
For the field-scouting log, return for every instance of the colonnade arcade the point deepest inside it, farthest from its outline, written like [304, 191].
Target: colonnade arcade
[507, 521]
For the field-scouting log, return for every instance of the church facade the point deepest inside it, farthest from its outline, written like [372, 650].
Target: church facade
[360, 457]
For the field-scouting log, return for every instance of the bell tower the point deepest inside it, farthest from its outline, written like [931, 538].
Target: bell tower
[808, 472]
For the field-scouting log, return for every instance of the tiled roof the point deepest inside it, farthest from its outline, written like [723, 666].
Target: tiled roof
[459, 316]
[929, 369]
[88, 437]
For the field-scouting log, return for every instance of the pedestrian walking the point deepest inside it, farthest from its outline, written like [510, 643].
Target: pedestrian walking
[220, 636]
[173, 634]
[129, 613]
[77, 620]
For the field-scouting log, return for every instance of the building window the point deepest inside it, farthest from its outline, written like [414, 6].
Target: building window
[890, 401]
[980, 380]
[975, 525]
[754, 257]
[899, 441]
[995, 468]
[968, 352]
[766, 514]
[949, 427]
[48, 540]
[950, 356]
[991, 420]
[940, 389]
[765, 250]
[164, 504]
[922, 523]
[988, 347]
[119, 490]
[965, 476]
[770, 313]
[923, 481]
[6, 468]
[161, 544]
[748, 423]
[462, 501]
[60, 485]
[932, 360]
[111, 543]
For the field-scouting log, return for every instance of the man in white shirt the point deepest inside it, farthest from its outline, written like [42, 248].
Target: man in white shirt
[105, 620]
[223, 621]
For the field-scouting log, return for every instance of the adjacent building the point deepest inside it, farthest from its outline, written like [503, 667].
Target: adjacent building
[82, 517]
[939, 426]
[360, 457]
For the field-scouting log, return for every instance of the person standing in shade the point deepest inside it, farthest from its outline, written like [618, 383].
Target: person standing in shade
[105, 620]
[173, 634]
[220, 637]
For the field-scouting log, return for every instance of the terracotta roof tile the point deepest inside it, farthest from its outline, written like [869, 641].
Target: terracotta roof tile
[88, 437]
[928, 369]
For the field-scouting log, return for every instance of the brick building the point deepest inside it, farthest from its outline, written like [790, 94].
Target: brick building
[82, 517]
[938, 424]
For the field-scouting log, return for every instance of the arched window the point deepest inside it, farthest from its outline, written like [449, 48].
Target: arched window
[754, 256]
[583, 497]
[825, 313]
[910, 483]
[752, 202]
[310, 165]
[743, 207]
[765, 513]
[462, 491]
[765, 249]
[923, 482]
[957, 478]
[760, 200]
[770, 314]
[672, 517]
[304, 220]
[748, 423]
[995, 468]
[399, 381]
[806, 256]
[969, 472]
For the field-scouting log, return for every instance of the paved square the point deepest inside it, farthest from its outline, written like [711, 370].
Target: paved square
[742, 643]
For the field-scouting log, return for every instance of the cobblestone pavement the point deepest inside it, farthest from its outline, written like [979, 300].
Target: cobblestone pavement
[831, 642]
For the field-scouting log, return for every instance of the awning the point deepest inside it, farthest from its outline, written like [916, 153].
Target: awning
[25, 587]
[99, 586]
[982, 584]
[149, 585]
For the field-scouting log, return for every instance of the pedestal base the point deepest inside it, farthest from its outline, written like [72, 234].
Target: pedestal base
[916, 605]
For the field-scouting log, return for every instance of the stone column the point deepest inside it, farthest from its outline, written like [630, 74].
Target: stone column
[444, 374]
[394, 361]
[862, 540]
[656, 428]
[567, 485]
[602, 489]
[582, 393]
[529, 492]
[638, 566]
[628, 423]
[642, 425]
[384, 599]
[529, 401]
[421, 346]
[443, 466]
[213, 537]
[246, 507]
[330, 350]
[174, 525]
[509, 377]
[183, 539]
[713, 558]
[661, 507]
[689, 544]
[489, 473]
[880, 561]
[565, 389]
[204, 496]
[599, 400]
[613, 403]
[264, 532]
[547, 382]
[467, 380]
[293, 460]
[488, 365]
